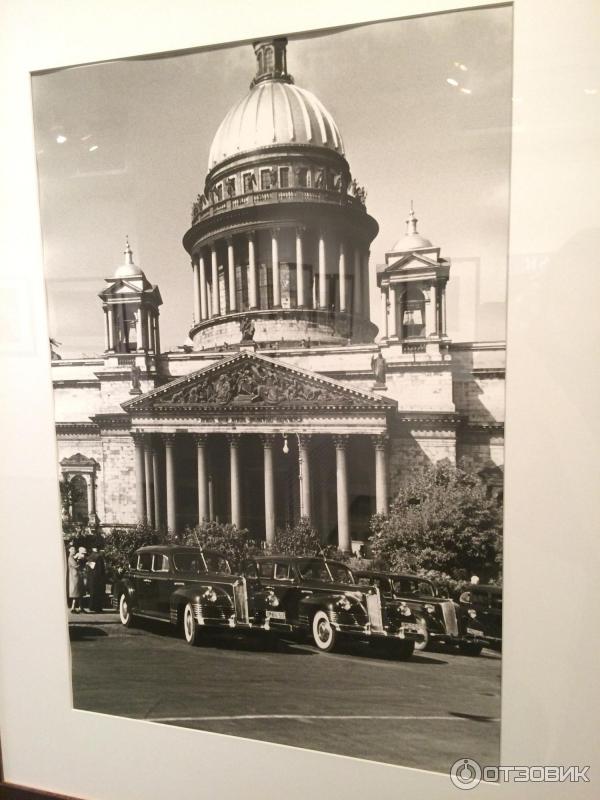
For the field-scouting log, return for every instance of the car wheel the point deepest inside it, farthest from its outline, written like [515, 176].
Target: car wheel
[420, 646]
[323, 633]
[125, 614]
[402, 651]
[191, 629]
[470, 648]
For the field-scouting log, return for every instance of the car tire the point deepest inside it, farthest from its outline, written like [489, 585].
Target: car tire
[470, 648]
[323, 633]
[420, 646]
[191, 629]
[125, 614]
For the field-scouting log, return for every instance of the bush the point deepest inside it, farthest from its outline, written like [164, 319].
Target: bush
[234, 543]
[300, 539]
[122, 543]
[441, 524]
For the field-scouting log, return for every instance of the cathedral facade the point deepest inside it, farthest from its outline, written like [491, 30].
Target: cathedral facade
[288, 401]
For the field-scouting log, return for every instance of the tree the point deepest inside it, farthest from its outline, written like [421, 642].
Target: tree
[300, 539]
[443, 524]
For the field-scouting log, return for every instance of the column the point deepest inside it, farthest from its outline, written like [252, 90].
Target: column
[203, 510]
[91, 496]
[384, 313]
[381, 474]
[268, 442]
[322, 272]
[139, 329]
[215, 281]
[275, 266]
[341, 470]
[140, 478]
[434, 310]
[444, 321]
[202, 290]
[299, 268]
[234, 477]
[211, 497]
[231, 274]
[157, 489]
[392, 327]
[252, 282]
[149, 331]
[429, 311]
[156, 334]
[401, 298]
[305, 482]
[342, 277]
[196, 291]
[170, 482]
[357, 299]
[106, 331]
[149, 487]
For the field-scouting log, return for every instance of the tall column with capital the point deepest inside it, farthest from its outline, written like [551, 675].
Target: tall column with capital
[401, 303]
[356, 295]
[170, 482]
[444, 320]
[322, 271]
[342, 276]
[149, 487]
[275, 266]
[343, 515]
[392, 325]
[432, 317]
[149, 331]
[202, 288]
[195, 290]
[156, 335]
[384, 312]
[140, 477]
[252, 280]
[305, 481]
[203, 509]
[231, 274]
[139, 329]
[156, 482]
[299, 268]
[234, 477]
[268, 443]
[106, 331]
[215, 280]
[381, 474]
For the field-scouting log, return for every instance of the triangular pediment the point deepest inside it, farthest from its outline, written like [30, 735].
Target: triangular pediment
[250, 382]
[413, 261]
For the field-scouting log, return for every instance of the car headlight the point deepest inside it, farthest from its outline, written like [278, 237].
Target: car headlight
[429, 608]
[405, 610]
[344, 603]
[272, 599]
[210, 594]
[472, 613]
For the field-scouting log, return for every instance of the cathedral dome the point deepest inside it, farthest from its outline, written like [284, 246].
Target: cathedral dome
[128, 269]
[274, 112]
[412, 239]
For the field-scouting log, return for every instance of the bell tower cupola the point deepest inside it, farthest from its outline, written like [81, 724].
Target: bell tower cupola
[130, 304]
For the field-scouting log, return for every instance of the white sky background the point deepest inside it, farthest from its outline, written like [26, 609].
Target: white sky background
[408, 134]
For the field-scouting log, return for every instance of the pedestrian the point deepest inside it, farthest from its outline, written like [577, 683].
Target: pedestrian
[76, 582]
[96, 579]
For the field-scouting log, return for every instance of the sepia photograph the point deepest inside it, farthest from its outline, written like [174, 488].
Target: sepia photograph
[276, 279]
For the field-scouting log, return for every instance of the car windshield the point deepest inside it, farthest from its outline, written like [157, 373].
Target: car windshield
[414, 587]
[328, 571]
[195, 563]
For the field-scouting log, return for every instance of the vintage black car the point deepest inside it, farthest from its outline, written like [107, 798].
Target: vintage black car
[440, 618]
[320, 597]
[188, 587]
[481, 607]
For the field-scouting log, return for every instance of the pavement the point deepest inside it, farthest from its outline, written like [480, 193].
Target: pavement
[425, 713]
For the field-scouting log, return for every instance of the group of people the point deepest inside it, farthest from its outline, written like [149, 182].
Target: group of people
[86, 580]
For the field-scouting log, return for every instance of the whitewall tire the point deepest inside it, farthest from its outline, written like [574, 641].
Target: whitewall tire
[323, 633]
[420, 646]
[191, 630]
[125, 614]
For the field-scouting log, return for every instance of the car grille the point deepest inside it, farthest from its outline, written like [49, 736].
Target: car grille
[374, 611]
[240, 599]
[450, 621]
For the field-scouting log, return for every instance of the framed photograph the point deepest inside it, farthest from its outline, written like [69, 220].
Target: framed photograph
[268, 522]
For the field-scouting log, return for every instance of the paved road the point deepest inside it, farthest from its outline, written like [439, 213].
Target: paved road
[423, 713]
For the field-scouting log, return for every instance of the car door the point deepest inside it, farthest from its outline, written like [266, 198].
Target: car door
[142, 580]
[277, 576]
[163, 585]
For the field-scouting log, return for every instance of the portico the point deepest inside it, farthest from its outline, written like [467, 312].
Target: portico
[256, 431]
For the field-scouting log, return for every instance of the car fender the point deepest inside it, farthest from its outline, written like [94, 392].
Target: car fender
[125, 585]
[310, 604]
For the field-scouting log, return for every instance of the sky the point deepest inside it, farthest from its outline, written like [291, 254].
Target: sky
[424, 107]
